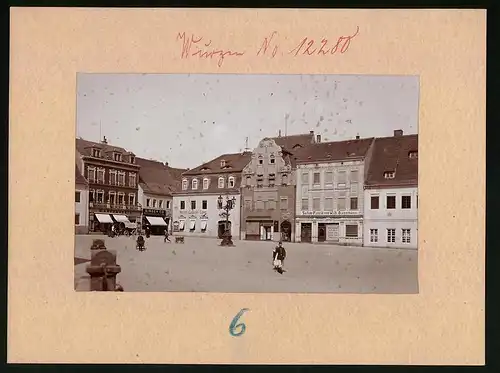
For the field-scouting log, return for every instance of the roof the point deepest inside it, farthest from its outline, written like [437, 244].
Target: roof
[392, 154]
[84, 147]
[79, 179]
[158, 178]
[233, 163]
[333, 151]
[289, 143]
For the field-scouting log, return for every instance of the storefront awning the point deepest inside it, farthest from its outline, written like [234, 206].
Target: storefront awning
[103, 218]
[181, 225]
[203, 224]
[121, 218]
[192, 224]
[155, 220]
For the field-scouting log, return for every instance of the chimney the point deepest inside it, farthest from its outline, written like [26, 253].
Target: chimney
[357, 137]
[398, 133]
[318, 138]
[166, 164]
[279, 133]
[311, 133]
[104, 140]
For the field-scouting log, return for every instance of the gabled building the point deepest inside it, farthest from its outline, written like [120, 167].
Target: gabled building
[112, 177]
[157, 182]
[81, 203]
[391, 192]
[329, 191]
[196, 207]
[268, 189]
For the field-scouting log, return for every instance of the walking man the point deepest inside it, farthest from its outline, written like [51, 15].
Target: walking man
[166, 236]
[279, 255]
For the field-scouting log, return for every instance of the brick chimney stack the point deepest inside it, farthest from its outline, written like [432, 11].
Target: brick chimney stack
[357, 137]
[104, 140]
[318, 138]
[279, 133]
[398, 133]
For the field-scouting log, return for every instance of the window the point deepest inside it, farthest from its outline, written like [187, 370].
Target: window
[230, 182]
[406, 235]
[204, 205]
[341, 179]
[272, 160]
[112, 198]
[248, 180]
[131, 180]
[182, 223]
[354, 176]
[112, 177]
[203, 226]
[406, 202]
[373, 235]
[160, 203]
[131, 199]
[91, 174]
[354, 188]
[183, 205]
[121, 178]
[351, 230]
[184, 184]
[354, 203]
[259, 205]
[328, 178]
[316, 204]
[413, 154]
[341, 204]
[271, 180]
[248, 204]
[284, 179]
[305, 204]
[205, 183]
[132, 159]
[284, 203]
[148, 202]
[96, 153]
[305, 178]
[100, 175]
[121, 199]
[316, 178]
[389, 174]
[221, 182]
[154, 203]
[391, 235]
[77, 219]
[100, 196]
[194, 184]
[222, 163]
[272, 205]
[261, 161]
[193, 205]
[391, 202]
[77, 197]
[91, 195]
[260, 181]
[168, 204]
[117, 157]
[374, 203]
[329, 204]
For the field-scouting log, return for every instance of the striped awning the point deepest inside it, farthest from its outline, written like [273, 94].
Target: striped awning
[155, 220]
[103, 218]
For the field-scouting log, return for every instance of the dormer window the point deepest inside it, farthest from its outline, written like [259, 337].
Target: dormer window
[117, 157]
[132, 159]
[389, 175]
[261, 161]
[413, 154]
[230, 182]
[272, 160]
[221, 182]
[96, 153]
[205, 169]
[222, 163]
[194, 184]
[184, 184]
[206, 183]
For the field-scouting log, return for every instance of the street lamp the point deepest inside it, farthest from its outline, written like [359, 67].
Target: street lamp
[228, 206]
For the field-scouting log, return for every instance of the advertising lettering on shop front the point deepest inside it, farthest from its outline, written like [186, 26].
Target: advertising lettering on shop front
[332, 213]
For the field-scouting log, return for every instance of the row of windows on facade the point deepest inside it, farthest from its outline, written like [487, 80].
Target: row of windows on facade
[391, 235]
[153, 202]
[206, 183]
[271, 180]
[329, 204]
[98, 175]
[204, 205]
[271, 160]
[328, 178]
[265, 205]
[390, 203]
[118, 157]
[113, 198]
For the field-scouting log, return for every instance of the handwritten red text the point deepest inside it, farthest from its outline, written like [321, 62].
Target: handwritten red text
[199, 47]
[311, 47]
[268, 43]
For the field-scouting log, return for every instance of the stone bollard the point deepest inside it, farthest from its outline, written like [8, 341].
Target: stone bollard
[103, 268]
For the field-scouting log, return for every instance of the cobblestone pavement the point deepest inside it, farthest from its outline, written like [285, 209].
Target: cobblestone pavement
[202, 265]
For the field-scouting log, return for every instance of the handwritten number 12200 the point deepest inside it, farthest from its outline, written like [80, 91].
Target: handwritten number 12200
[234, 324]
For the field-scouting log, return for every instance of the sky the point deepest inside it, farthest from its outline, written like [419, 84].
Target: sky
[189, 119]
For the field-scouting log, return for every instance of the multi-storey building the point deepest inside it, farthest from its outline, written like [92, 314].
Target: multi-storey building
[157, 182]
[81, 204]
[329, 181]
[112, 176]
[268, 189]
[196, 207]
[391, 192]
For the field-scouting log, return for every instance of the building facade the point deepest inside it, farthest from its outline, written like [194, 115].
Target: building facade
[391, 192]
[112, 176]
[329, 192]
[157, 182]
[81, 204]
[196, 208]
[268, 189]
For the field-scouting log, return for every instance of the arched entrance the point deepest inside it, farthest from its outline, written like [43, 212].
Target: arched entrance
[286, 231]
[222, 227]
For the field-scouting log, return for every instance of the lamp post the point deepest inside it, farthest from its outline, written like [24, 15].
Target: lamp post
[228, 206]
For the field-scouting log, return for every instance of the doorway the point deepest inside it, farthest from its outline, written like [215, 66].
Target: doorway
[305, 232]
[321, 232]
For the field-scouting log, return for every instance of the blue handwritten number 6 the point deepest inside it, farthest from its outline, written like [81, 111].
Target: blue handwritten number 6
[233, 326]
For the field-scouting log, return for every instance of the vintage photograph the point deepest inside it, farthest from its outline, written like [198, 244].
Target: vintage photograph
[242, 183]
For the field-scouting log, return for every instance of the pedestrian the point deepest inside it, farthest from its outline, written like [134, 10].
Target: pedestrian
[166, 236]
[279, 255]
